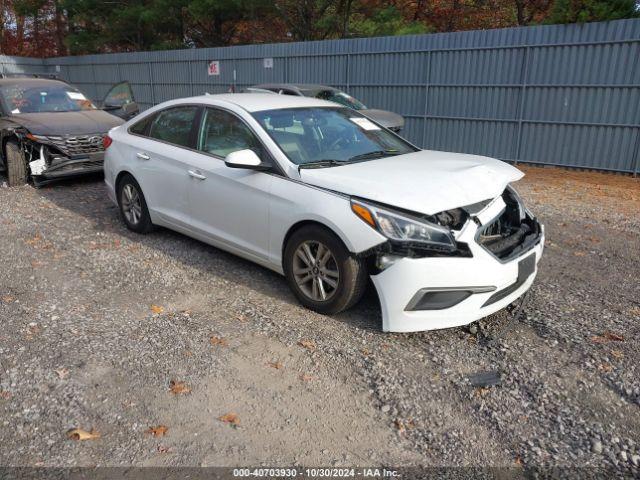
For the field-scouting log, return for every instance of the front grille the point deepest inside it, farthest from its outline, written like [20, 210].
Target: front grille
[72, 145]
[511, 233]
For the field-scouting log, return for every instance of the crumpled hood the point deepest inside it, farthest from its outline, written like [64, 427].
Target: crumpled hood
[427, 182]
[67, 123]
[384, 118]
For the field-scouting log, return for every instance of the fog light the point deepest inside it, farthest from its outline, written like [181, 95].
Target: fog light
[385, 261]
[441, 298]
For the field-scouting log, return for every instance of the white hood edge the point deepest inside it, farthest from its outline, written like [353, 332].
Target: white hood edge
[426, 182]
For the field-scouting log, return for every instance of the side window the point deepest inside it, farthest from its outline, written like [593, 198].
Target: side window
[174, 125]
[119, 95]
[222, 133]
[142, 127]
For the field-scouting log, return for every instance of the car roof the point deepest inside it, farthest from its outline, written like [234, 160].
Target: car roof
[299, 86]
[256, 102]
[30, 81]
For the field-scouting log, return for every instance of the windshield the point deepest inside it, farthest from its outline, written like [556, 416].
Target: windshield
[49, 97]
[341, 98]
[328, 136]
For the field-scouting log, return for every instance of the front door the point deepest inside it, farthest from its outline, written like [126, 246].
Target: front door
[119, 101]
[229, 205]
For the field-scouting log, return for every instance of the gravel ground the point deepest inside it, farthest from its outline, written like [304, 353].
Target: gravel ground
[97, 323]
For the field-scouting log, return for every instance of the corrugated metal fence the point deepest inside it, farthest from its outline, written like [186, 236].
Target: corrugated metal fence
[562, 95]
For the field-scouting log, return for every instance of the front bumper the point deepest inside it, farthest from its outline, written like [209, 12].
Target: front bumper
[65, 167]
[483, 274]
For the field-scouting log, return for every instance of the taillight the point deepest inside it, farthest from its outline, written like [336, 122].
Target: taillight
[106, 141]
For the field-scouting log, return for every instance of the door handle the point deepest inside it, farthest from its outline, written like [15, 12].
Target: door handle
[143, 156]
[196, 174]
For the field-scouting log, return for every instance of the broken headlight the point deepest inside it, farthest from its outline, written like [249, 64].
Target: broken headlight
[402, 227]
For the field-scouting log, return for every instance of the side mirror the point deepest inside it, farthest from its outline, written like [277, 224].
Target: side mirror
[246, 159]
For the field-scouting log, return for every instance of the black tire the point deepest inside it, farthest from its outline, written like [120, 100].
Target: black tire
[16, 164]
[141, 221]
[352, 280]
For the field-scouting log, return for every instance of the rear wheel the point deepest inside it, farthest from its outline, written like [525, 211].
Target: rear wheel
[16, 164]
[321, 272]
[133, 206]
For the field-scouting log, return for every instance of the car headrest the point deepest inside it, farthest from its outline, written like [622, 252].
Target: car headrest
[281, 120]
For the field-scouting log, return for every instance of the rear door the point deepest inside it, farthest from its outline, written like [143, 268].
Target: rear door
[160, 153]
[229, 205]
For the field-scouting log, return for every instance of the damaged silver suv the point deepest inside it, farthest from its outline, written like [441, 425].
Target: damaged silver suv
[50, 130]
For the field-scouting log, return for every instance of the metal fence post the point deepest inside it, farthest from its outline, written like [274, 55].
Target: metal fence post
[636, 154]
[523, 91]
[153, 93]
[426, 101]
[193, 85]
[95, 82]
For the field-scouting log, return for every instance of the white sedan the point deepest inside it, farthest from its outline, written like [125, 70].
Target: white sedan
[329, 198]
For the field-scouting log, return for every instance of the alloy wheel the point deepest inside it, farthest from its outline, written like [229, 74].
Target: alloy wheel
[131, 204]
[315, 271]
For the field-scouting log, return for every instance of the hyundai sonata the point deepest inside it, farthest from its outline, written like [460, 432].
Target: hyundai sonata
[330, 199]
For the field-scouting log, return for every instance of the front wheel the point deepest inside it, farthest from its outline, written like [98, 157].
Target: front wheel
[133, 206]
[16, 164]
[321, 272]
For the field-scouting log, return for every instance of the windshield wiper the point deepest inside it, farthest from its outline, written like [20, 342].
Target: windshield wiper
[374, 154]
[320, 164]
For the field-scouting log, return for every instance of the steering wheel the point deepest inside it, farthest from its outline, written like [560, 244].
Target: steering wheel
[344, 141]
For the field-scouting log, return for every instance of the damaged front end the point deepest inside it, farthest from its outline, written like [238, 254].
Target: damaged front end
[53, 157]
[511, 233]
[503, 227]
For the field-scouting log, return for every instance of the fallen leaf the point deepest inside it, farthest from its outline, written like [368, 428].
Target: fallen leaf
[518, 461]
[163, 449]
[231, 418]
[80, 434]
[32, 241]
[308, 344]
[305, 377]
[218, 341]
[7, 299]
[178, 387]
[399, 425]
[617, 354]
[605, 367]
[62, 373]
[579, 254]
[632, 311]
[613, 336]
[157, 309]
[158, 430]
[4, 394]
[276, 365]
[482, 391]
[365, 352]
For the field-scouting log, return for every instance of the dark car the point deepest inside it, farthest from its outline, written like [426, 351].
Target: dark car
[389, 120]
[51, 130]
